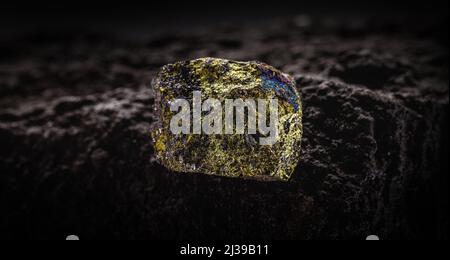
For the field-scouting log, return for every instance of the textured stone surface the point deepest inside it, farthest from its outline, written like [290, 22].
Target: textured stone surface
[76, 154]
[234, 154]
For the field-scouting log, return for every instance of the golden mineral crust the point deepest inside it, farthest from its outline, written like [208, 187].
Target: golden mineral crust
[231, 155]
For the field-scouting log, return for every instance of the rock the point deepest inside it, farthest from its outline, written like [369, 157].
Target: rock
[226, 150]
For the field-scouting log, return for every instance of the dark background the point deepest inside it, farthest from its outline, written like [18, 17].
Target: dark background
[139, 19]
[75, 110]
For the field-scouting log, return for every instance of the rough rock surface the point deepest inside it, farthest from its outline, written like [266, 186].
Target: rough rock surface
[76, 155]
[252, 153]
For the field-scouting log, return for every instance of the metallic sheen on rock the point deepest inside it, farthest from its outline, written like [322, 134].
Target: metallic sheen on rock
[227, 155]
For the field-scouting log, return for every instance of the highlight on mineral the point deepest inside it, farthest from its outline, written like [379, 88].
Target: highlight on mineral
[200, 105]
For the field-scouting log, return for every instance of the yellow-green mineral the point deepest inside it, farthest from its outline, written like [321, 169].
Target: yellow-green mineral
[227, 118]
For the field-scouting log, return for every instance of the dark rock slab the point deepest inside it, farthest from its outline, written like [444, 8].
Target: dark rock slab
[76, 155]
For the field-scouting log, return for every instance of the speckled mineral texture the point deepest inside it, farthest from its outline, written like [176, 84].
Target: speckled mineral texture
[245, 152]
[76, 153]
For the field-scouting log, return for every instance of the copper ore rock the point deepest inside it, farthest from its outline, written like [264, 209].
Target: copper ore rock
[231, 155]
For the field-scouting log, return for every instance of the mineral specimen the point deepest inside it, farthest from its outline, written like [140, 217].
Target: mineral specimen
[238, 153]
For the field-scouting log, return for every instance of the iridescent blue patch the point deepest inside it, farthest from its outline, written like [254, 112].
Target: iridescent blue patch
[270, 82]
